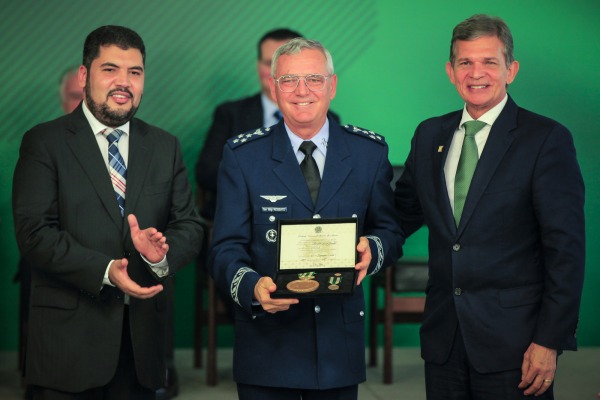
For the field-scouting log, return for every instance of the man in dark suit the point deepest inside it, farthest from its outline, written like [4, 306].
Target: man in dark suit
[97, 315]
[290, 348]
[506, 253]
[234, 117]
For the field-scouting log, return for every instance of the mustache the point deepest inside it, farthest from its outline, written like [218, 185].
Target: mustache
[120, 89]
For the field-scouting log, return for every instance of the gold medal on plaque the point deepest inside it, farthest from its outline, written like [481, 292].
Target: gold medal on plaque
[302, 286]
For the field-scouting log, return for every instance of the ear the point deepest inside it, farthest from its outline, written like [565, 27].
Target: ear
[513, 68]
[82, 76]
[450, 72]
[273, 88]
[333, 84]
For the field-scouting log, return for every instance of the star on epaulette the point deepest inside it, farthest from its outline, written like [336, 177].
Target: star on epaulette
[365, 133]
[249, 136]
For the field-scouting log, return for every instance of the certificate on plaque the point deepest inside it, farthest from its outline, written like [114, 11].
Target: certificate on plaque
[316, 257]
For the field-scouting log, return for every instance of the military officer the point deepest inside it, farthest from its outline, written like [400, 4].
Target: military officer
[290, 347]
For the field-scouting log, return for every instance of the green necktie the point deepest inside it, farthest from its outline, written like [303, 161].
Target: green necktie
[466, 166]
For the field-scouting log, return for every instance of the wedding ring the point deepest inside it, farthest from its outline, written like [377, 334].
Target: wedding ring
[547, 381]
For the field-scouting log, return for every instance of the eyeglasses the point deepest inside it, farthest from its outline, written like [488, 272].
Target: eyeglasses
[289, 83]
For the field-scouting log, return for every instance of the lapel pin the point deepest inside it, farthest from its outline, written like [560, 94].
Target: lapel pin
[440, 149]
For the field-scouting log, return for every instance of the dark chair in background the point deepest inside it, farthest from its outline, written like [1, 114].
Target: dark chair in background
[404, 302]
[212, 315]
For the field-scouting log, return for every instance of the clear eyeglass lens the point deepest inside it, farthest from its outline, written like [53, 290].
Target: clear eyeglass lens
[289, 83]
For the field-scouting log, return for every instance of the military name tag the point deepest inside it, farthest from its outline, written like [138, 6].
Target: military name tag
[274, 209]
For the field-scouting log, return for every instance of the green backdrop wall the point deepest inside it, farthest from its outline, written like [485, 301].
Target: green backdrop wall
[389, 56]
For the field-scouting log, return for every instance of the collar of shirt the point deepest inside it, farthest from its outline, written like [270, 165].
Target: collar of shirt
[320, 139]
[459, 136]
[98, 127]
[489, 117]
[269, 109]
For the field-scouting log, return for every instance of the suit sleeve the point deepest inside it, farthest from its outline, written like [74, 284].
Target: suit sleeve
[558, 199]
[381, 224]
[406, 197]
[230, 263]
[184, 231]
[37, 219]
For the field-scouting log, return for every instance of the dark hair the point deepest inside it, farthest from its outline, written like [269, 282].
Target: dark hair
[109, 35]
[483, 25]
[277, 35]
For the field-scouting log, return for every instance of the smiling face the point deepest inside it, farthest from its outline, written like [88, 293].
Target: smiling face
[114, 84]
[480, 73]
[304, 111]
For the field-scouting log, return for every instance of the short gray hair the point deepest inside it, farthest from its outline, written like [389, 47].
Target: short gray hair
[295, 46]
[483, 25]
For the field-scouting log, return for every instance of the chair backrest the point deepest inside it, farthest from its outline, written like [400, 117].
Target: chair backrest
[410, 275]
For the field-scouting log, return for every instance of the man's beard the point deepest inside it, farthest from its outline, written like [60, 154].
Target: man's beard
[104, 114]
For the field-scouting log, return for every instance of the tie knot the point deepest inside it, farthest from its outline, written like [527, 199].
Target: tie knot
[113, 136]
[307, 147]
[472, 127]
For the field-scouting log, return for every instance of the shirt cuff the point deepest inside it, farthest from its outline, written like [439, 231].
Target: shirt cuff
[161, 268]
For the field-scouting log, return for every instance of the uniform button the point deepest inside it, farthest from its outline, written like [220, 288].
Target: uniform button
[458, 291]
[354, 216]
[362, 313]
[316, 216]
[272, 218]
[317, 309]
[456, 247]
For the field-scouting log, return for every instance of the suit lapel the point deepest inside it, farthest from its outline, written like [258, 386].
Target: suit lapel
[84, 146]
[288, 171]
[441, 144]
[140, 154]
[336, 170]
[498, 143]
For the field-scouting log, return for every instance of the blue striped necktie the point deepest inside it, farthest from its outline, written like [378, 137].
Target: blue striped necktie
[117, 168]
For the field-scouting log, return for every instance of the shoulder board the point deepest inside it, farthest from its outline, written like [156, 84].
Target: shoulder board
[249, 136]
[364, 132]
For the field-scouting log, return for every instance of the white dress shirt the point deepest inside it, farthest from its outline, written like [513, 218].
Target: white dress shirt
[459, 136]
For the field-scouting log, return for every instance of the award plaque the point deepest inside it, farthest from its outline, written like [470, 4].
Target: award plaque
[316, 257]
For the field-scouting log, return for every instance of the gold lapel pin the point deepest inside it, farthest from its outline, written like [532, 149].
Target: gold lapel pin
[440, 148]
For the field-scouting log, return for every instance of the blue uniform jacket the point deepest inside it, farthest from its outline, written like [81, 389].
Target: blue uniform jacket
[318, 343]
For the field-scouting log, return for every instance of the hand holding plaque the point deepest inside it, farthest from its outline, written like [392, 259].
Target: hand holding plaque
[312, 254]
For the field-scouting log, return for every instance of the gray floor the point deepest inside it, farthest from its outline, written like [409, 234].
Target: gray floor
[578, 377]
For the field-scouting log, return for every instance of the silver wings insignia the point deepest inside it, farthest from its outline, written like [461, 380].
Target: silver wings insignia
[273, 198]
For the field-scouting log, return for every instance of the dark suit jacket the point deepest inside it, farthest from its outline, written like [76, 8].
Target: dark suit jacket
[317, 344]
[69, 227]
[229, 119]
[512, 272]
